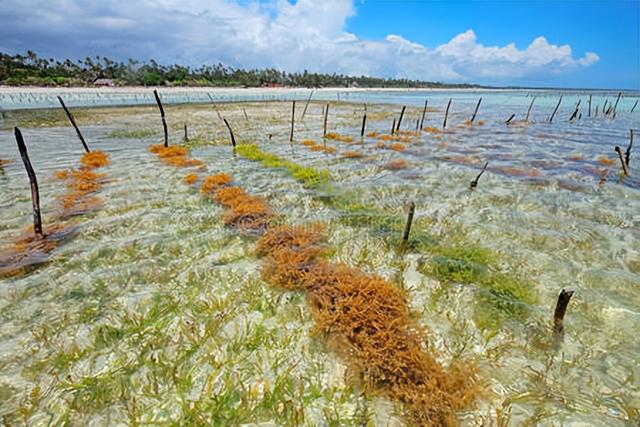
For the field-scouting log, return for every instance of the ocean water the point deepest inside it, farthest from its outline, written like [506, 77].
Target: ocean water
[151, 310]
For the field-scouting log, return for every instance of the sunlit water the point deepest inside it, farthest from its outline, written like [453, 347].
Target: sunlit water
[153, 310]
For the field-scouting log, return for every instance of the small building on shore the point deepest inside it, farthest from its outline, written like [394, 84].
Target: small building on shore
[103, 82]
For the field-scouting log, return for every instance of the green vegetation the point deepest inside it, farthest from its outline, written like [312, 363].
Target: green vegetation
[29, 69]
[309, 177]
[133, 134]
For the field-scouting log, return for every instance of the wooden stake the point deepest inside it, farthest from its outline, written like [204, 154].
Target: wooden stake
[561, 309]
[245, 114]
[35, 194]
[304, 111]
[615, 106]
[526, 119]
[627, 154]
[634, 106]
[589, 115]
[233, 139]
[393, 127]
[624, 164]
[424, 112]
[404, 107]
[326, 116]
[575, 112]
[407, 227]
[164, 122]
[364, 124]
[446, 114]
[510, 118]
[215, 106]
[474, 183]
[555, 110]
[75, 126]
[476, 110]
[293, 118]
[186, 134]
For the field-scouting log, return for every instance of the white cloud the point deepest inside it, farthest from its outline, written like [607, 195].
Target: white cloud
[309, 35]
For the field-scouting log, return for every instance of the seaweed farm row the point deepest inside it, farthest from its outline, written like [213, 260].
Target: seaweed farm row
[390, 270]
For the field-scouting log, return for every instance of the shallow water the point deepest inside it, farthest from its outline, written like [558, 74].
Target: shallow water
[154, 311]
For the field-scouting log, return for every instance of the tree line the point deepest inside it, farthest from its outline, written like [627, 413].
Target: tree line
[30, 69]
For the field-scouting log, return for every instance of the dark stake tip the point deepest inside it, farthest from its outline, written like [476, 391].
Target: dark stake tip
[446, 114]
[364, 125]
[615, 106]
[407, 227]
[424, 112]
[164, 122]
[293, 118]
[555, 110]
[508, 122]
[474, 183]
[575, 112]
[404, 107]
[634, 106]
[393, 127]
[35, 194]
[561, 310]
[233, 139]
[627, 153]
[589, 114]
[473, 117]
[186, 133]
[74, 124]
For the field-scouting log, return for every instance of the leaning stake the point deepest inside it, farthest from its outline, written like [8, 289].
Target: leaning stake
[407, 227]
[508, 122]
[624, 164]
[233, 139]
[293, 117]
[476, 110]
[304, 111]
[526, 119]
[474, 183]
[35, 195]
[164, 122]
[555, 110]
[404, 107]
[424, 111]
[446, 114]
[73, 123]
[561, 309]
[627, 154]
[364, 124]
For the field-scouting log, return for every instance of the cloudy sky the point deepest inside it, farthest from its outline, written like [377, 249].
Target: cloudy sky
[536, 42]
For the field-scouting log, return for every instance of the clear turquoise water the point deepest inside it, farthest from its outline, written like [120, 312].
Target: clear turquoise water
[155, 240]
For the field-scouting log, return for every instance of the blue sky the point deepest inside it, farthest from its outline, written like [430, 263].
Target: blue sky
[535, 43]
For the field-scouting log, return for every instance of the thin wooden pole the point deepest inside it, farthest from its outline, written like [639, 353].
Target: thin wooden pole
[364, 124]
[244, 111]
[404, 107]
[424, 112]
[634, 106]
[575, 112]
[293, 118]
[326, 116]
[615, 106]
[407, 227]
[590, 95]
[35, 194]
[74, 124]
[526, 119]
[510, 118]
[474, 183]
[393, 127]
[164, 122]
[215, 106]
[446, 114]
[627, 154]
[186, 134]
[561, 310]
[233, 139]
[476, 110]
[555, 110]
[304, 111]
[624, 164]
